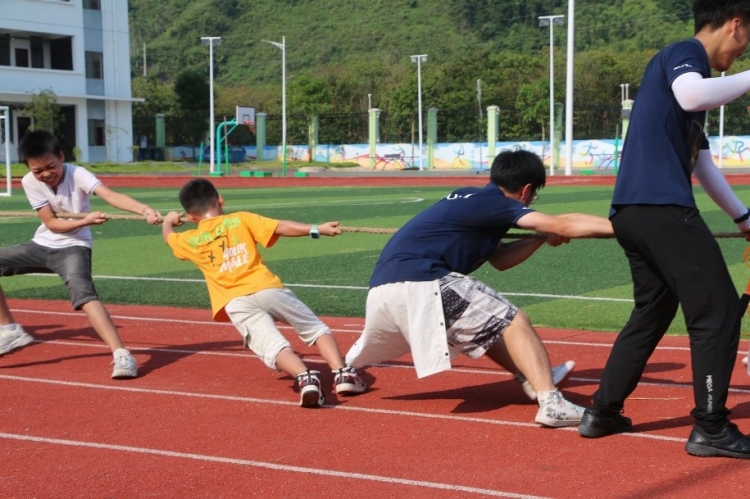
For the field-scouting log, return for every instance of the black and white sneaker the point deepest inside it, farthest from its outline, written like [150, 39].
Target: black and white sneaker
[310, 392]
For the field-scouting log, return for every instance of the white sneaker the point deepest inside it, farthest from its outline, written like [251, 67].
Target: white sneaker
[556, 411]
[744, 360]
[13, 336]
[125, 365]
[347, 381]
[559, 373]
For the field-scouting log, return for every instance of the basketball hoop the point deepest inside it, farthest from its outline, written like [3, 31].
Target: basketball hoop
[251, 126]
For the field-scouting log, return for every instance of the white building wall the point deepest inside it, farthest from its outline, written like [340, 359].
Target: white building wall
[55, 18]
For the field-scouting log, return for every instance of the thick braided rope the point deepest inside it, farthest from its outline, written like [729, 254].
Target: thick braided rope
[366, 230]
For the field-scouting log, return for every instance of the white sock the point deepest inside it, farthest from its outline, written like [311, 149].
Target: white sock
[542, 396]
[121, 352]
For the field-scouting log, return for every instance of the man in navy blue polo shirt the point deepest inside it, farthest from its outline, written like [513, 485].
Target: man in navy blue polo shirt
[423, 301]
[674, 259]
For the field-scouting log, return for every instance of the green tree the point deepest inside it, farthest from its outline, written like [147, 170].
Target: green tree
[159, 98]
[45, 113]
[533, 102]
[193, 100]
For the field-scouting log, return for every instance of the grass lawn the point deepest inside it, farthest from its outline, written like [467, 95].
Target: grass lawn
[583, 285]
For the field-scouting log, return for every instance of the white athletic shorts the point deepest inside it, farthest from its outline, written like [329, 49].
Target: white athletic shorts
[254, 315]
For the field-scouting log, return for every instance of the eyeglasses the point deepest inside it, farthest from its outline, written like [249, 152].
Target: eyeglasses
[534, 198]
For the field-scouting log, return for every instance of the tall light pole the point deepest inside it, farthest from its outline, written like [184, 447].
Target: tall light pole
[569, 87]
[551, 21]
[211, 41]
[282, 46]
[419, 59]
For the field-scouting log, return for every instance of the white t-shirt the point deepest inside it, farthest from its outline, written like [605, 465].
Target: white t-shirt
[72, 196]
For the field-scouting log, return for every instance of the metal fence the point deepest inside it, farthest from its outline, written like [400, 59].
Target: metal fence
[593, 122]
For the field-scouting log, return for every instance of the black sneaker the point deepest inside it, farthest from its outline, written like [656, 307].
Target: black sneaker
[729, 443]
[597, 423]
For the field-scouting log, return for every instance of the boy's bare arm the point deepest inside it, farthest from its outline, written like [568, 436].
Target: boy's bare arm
[126, 203]
[172, 220]
[567, 225]
[289, 228]
[62, 225]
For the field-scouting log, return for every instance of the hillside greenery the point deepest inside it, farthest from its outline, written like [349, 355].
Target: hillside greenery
[342, 56]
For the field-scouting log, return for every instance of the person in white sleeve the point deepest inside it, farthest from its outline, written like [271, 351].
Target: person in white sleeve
[674, 259]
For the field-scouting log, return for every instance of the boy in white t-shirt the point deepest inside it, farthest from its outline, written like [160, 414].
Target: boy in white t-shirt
[63, 246]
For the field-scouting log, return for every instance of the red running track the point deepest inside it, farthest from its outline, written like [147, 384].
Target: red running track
[207, 419]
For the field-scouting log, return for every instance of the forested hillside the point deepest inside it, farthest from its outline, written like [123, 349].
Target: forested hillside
[321, 33]
[342, 55]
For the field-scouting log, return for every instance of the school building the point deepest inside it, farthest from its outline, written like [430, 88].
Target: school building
[78, 49]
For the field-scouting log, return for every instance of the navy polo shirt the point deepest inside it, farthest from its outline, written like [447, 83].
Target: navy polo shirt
[456, 234]
[656, 165]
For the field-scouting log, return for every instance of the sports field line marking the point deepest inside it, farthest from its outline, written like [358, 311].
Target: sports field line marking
[741, 352]
[358, 288]
[462, 370]
[336, 202]
[270, 466]
[369, 410]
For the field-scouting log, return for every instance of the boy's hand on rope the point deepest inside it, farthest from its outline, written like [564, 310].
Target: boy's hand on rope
[330, 229]
[175, 219]
[95, 218]
[153, 217]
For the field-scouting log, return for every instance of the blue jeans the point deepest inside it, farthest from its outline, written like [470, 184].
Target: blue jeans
[72, 264]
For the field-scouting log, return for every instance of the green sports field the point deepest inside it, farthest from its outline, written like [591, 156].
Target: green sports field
[583, 285]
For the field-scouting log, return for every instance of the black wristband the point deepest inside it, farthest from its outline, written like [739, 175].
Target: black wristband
[744, 217]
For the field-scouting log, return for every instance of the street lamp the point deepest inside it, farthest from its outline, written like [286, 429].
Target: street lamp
[282, 46]
[211, 41]
[551, 21]
[569, 76]
[419, 59]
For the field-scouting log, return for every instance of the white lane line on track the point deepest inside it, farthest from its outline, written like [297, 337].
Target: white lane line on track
[270, 466]
[360, 288]
[369, 410]
[335, 330]
[387, 365]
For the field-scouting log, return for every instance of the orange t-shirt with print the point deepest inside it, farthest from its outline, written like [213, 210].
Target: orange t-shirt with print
[225, 249]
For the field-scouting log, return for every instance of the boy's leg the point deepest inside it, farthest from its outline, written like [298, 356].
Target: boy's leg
[18, 259]
[102, 324]
[264, 339]
[126, 366]
[5, 315]
[290, 363]
[523, 350]
[329, 350]
[478, 317]
[283, 305]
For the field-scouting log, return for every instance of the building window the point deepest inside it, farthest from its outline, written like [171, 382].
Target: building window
[92, 4]
[22, 58]
[96, 132]
[61, 54]
[94, 67]
[4, 50]
[37, 52]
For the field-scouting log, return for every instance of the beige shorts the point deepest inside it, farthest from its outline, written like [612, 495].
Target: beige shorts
[254, 317]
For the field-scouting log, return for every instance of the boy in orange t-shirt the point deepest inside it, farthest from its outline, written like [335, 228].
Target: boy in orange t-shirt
[244, 291]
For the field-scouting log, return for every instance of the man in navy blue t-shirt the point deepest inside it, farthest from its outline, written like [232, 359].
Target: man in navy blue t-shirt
[674, 259]
[423, 301]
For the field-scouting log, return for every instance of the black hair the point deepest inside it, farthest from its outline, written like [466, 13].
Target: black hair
[198, 196]
[714, 13]
[512, 169]
[37, 144]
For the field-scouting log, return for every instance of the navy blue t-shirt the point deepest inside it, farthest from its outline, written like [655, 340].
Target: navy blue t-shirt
[456, 234]
[656, 166]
